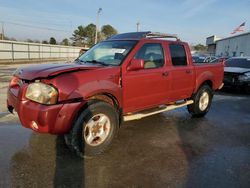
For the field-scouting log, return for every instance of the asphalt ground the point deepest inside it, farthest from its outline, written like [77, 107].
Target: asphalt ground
[166, 150]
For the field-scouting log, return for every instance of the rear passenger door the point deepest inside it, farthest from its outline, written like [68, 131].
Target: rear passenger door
[181, 72]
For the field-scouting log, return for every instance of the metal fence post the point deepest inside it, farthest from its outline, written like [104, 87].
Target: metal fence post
[50, 50]
[39, 51]
[12, 51]
[29, 51]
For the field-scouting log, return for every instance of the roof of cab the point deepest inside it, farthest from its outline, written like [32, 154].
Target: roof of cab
[143, 35]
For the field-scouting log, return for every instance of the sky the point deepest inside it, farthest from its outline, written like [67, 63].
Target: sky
[192, 20]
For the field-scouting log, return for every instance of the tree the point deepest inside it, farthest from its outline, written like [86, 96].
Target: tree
[65, 42]
[37, 41]
[45, 42]
[78, 36]
[90, 34]
[108, 31]
[200, 47]
[86, 35]
[52, 40]
[29, 40]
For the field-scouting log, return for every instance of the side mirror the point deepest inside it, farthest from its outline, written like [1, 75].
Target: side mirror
[136, 64]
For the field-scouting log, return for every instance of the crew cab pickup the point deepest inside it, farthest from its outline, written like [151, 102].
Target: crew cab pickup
[127, 77]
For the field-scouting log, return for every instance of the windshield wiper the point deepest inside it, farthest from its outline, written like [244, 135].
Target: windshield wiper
[79, 61]
[97, 62]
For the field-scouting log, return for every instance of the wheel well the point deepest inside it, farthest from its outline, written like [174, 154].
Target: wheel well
[100, 97]
[207, 82]
[106, 98]
[109, 99]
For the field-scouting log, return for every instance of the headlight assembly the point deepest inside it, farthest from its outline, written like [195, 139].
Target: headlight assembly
[42, 93]
[244, 77]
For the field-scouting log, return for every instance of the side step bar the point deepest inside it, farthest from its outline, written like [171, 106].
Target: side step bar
[147, 113]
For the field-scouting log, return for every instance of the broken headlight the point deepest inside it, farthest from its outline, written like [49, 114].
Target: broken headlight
[245, 77]
[42, 93]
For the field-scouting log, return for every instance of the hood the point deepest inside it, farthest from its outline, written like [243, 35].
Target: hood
[47, 70]
[238, 70]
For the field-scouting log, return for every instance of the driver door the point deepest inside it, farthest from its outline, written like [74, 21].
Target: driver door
[146, 88]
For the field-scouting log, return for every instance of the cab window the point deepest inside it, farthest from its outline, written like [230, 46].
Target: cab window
[178, 55]
[152, 54]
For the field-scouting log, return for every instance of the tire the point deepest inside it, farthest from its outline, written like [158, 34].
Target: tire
[202, 101]
[67, 140]
[93, 130]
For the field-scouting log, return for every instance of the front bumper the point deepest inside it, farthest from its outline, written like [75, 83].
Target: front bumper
[237, 84]
[54, 119]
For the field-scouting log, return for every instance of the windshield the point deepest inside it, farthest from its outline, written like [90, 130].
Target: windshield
[241, 62]
[108, 52]
[198, 59]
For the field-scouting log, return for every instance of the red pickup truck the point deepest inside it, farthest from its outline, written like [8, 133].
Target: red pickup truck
[127, 77]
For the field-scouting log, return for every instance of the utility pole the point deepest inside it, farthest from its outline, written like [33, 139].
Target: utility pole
[138, 26]
[2, 23]
[97, 24]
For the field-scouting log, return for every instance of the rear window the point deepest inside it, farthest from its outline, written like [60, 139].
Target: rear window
[178, 55]
[241, 62]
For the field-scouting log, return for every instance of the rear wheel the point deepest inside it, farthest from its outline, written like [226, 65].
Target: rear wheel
[202, 102]
[94, 129]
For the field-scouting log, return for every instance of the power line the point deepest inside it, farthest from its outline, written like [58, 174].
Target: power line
[36, 27]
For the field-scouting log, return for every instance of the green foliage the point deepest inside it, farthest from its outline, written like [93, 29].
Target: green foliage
[200, 47]
[52, 40]
[65, 42]
[90, 34]
[79, 36]
[108, 31]
[45, 42]
[32, 41]
[29, 40]
[86, 35]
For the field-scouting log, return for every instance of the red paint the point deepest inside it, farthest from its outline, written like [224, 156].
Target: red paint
[133, 90]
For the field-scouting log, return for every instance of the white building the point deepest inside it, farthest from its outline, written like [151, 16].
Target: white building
[238, 45]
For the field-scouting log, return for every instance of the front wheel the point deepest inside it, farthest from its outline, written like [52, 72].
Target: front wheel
[94, 129]
[202, 102]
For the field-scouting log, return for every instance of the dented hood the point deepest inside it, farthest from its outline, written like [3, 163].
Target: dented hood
[48, 70]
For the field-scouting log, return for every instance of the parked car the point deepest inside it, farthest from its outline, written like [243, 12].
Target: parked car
[203, 59]
[127, 77]
[237, 73]
[198, 59]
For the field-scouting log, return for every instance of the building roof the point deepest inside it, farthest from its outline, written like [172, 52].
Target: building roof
[247, 33]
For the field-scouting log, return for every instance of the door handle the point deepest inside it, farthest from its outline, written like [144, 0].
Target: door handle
[188, 71]
[165, 74]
